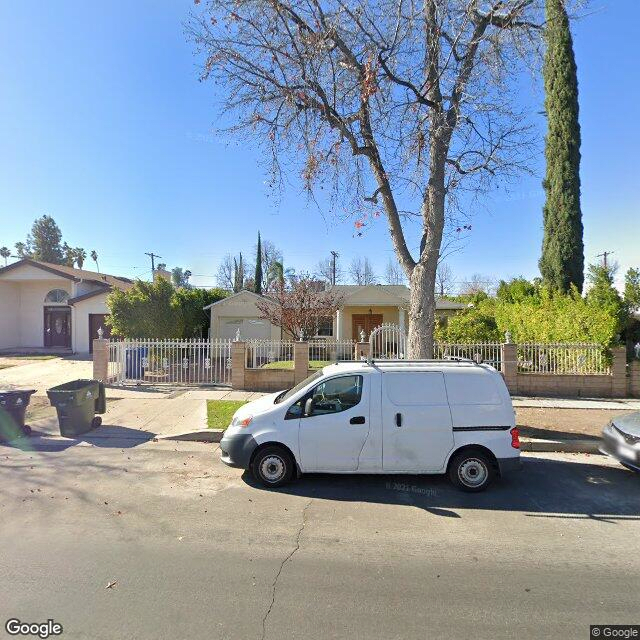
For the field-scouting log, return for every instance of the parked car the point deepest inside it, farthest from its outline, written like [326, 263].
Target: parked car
[621, 440]
[392, 417]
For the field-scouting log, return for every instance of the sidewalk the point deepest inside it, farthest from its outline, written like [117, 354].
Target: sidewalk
[139, 414]
[629, 404]
[176, 414]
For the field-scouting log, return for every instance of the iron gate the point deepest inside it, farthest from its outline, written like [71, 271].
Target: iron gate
[197, 361]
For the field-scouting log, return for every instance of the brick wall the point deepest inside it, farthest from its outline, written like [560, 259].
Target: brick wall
[622, 382]
[268, 379]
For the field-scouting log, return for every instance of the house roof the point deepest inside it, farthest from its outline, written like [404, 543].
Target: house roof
[393, 293]
[105, 281]
[398, 291]
[243, 293]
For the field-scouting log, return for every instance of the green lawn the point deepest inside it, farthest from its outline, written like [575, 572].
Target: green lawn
[288, 364]
[220, 412]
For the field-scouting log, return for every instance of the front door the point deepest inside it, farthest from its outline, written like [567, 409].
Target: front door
[417, 432]
[333, 436]
[57, 327]
[96, 320]
[366, 322]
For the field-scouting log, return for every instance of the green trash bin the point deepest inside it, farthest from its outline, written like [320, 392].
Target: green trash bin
[77, 403]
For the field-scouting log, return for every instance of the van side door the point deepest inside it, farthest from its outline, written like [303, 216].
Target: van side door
[417, 431]
[331, 437]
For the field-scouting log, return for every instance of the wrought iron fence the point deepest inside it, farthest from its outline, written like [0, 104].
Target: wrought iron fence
[323, 352]
[488, 352]
[273, 354]
[564, 358]
[196, 361]
[388, 341]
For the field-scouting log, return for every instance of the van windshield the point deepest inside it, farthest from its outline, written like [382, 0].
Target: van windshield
[285, 395]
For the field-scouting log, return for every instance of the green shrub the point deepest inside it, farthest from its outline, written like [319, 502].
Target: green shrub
[158, 310]
[532, 313]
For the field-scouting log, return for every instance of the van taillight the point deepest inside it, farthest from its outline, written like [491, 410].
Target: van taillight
[515, 438]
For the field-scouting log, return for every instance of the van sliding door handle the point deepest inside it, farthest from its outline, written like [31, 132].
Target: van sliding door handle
[398, 419]
[357, 420]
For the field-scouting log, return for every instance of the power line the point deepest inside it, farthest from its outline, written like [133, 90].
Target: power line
[604, 256]
[153, 256]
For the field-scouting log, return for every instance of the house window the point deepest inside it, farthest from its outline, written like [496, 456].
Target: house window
[325, 327]
[58, 296]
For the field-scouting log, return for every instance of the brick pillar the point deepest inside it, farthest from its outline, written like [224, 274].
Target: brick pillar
[238, 364]
[619, 373]
[362, 350]
[634, 379]
[101, 359]
[509, 366]
[300, 361]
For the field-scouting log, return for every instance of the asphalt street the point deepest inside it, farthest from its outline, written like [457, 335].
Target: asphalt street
[160, 540]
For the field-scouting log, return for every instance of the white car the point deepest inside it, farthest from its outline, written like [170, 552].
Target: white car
[437, 416]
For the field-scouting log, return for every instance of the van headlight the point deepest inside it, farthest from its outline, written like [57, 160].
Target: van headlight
[241, 422]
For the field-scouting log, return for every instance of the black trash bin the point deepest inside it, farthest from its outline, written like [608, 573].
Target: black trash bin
[14, 403]
[77, 403]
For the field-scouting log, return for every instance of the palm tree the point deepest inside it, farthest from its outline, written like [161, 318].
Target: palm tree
[94, 257]
[80, 256]
[277, 274]
[5, 253]
[21, 249]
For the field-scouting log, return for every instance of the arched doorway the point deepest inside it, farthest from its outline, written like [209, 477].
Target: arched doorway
[57, 319]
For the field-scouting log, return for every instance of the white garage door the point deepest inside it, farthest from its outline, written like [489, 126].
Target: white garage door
[250, 328]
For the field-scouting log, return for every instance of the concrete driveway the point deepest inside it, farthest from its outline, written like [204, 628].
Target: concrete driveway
[190, 548]
[44, 374]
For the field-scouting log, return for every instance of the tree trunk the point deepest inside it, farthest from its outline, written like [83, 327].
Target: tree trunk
[422, 300]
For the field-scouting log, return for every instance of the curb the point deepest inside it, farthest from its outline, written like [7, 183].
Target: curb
[202, 435]
[559, 446]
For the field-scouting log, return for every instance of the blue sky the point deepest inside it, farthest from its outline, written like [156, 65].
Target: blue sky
[104, 126]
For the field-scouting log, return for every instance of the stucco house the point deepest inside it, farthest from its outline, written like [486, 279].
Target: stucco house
[53, 307]
[363, 308]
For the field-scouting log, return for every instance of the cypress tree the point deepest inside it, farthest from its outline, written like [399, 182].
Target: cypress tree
[257, 285]
[562, 260]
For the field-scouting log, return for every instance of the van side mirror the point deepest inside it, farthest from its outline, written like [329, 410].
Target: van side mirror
[308, 407]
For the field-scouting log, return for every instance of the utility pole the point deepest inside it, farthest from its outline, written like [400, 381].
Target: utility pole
[604, 256]
[153, 256]
[334, 255]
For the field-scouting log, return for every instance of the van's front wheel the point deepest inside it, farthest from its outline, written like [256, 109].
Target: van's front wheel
[272, 466]
[471, 470]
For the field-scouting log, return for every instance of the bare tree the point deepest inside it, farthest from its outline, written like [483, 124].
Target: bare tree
[444, 280]
[361, 271]
[393, 273]
[324, 270]
[478, 283]
[270, 256]
[381, 100]
[298, 306]
[225, 276]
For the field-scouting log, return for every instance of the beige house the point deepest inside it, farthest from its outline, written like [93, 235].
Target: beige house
[363, 308]
[53, 307]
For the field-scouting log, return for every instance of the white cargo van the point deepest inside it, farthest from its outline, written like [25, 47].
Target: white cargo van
[387, 416]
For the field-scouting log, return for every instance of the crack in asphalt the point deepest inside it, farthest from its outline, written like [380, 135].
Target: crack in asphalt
[290, 555]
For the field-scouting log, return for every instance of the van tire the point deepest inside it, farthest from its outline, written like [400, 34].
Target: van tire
[272, 466]
[471, 470]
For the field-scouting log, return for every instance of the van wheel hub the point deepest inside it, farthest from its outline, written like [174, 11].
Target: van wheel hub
[272, 468]
[473, 472]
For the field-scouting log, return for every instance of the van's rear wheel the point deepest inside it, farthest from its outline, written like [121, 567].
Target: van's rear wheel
[471, 470]
[272, 466]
